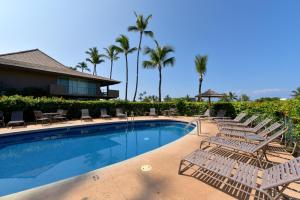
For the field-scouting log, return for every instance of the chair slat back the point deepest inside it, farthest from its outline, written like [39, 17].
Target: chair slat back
[207, 112]
[271, 138]
[250, 120]
[119, 110]
[281, 174]
[270, 129]
[103, 111]
[262, 124]
[152, 111]
[85, 112]
[38, 114]
[240, 117]
[221, 113]
[17, 116]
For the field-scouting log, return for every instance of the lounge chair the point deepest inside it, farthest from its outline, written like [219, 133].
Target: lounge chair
[254, 129]
[237, 119]
[172, 112]
[205, 115]
[220, 115]
[62, 115]
[245, 174]
[257, 151]
[16, 119]
[103, 113]
[257, 136]
[2, 119]
[85, 115]
[153, 112]
[39, 117]
[120, 114]
[244, 124]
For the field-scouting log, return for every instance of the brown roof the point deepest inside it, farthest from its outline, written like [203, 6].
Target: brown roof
[38, 60]
[210, 93]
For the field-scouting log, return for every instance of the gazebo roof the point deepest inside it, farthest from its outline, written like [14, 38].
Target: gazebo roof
[211, 93]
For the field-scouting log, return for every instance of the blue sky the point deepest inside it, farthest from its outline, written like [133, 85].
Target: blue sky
[253, 46]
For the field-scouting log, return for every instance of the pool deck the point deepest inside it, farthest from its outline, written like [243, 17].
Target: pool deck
[126, 180]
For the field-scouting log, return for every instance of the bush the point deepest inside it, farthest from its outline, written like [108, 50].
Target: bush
[274, 109]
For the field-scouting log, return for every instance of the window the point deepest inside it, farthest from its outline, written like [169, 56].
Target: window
[77, 86]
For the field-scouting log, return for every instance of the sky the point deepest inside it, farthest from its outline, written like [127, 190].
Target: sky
[253, 46]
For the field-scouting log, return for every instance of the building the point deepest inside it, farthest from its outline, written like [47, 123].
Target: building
[35, 69]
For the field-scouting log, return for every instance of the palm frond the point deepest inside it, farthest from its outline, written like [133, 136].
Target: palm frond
[200, 63]
[169, 62]
[149, 33]
[149, 64]
[132, 50]
[147, 50]
[133, 29]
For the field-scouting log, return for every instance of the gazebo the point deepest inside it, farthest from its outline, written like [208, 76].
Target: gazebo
[210, 94]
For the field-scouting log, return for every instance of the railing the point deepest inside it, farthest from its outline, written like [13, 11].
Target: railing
[81, 91]
[110, 94]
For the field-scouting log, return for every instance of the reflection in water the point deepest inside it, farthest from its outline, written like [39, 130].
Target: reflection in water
[31, 164]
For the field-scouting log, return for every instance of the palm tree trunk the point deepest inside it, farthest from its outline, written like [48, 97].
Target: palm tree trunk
[126, 88]
[110, 74]
[137, 66]
[95, 70]
[200, 87]
[82, 69]
[159, 85]
[111, 67]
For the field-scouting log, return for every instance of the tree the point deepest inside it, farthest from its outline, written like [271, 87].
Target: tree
[111, 54]
[124, 47]
[200, 63]
[244, 97]
[73, 68]
[141, 95]
[232, 96]
[167, 98]
[159, 58]
[296, 93]
[150, 98]
[140, 27]
[95, 58]
[82, 66]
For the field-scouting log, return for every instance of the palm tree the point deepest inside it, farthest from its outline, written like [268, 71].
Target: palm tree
[124, 47]
[140, 27]
[232, 96]
[159, 58]
[111, 54]
[200, 63]
[95, 58]
[296, 93]
[82, 66]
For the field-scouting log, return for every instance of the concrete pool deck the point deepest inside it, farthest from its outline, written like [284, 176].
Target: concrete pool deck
[126, 180]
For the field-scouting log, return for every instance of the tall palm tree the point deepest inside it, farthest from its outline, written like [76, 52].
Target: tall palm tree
[95, 58]
[200, 63]
[140, 27]
[159, 58]
[82, 66]
[124, 47]
[296, 93]
[111, 54]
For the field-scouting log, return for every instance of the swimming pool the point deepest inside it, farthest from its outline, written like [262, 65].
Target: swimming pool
[34, 159]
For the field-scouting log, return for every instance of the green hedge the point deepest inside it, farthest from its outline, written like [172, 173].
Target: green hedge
[275, 109]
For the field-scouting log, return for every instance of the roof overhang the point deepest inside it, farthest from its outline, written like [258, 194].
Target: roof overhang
[34, 67]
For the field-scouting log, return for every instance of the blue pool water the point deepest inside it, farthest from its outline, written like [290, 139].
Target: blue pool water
[38, 158]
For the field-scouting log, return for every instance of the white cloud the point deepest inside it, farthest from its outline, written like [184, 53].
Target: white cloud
[267, 91]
